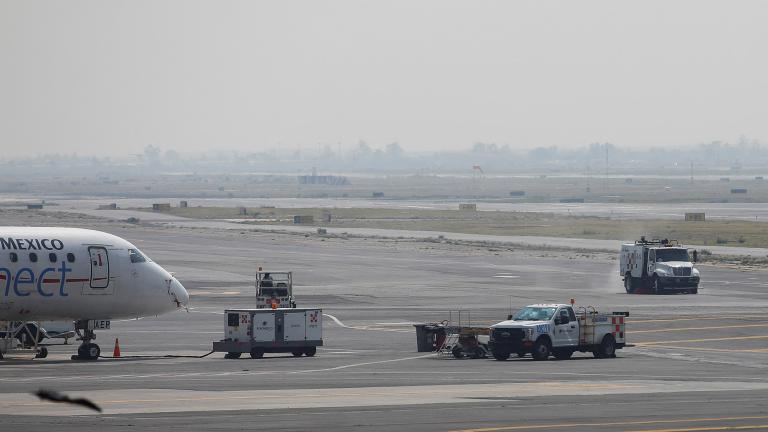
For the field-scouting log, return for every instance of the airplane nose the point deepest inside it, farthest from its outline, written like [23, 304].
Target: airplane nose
[179, 293]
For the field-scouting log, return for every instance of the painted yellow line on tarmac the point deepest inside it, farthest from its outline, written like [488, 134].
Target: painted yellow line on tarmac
[699, 328]
[627, 423]
[731, 350]
[719, 317]
[701, 340]
[708, 428]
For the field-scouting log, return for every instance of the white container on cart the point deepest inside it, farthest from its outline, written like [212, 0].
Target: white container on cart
[259, 331]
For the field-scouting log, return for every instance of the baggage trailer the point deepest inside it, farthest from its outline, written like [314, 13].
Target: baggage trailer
[258, 331]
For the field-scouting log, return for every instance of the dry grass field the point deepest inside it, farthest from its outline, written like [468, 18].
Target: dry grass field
[724, 233]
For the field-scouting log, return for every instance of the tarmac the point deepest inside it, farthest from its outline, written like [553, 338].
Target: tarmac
[698, 362]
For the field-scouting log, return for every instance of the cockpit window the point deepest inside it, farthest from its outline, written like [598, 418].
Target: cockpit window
[136, 256]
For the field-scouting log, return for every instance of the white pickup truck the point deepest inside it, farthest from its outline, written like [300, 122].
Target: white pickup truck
[555, 329]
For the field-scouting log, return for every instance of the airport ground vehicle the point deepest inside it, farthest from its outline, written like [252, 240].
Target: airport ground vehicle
[555, 329]
[274, 290]
[259, 331]
[659, 265]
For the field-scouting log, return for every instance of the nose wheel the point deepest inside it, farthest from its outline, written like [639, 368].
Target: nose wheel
[87, 349]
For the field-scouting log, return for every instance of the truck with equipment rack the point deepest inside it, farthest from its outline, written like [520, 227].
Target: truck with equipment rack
[555, 329]
[659, 265]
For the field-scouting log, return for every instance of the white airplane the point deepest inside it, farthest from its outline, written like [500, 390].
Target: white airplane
[80, 275]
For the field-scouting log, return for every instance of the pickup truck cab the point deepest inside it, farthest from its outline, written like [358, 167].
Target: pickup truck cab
[556, 329]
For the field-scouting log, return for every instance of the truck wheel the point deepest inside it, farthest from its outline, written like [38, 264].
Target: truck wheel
[607, 348]
[656, 286]
[563, 354]
[310, 351]
[257, 353]
[232, 355]
[479, 353]
[541, 350]
[500, 355]
[628, 286]
[457, 352]
[695, 290]
[297, 353]
[43, 353]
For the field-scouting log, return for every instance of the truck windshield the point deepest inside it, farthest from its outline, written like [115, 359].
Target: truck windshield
[663, 255]
[534, 314]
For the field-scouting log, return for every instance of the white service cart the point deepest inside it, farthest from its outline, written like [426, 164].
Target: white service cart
[258, 331]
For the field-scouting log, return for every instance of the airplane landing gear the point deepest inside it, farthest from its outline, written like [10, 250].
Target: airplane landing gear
[87, 350]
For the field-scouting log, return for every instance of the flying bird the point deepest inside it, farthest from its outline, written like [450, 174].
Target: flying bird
[54, 396]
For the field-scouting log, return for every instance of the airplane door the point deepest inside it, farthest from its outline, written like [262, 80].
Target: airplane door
[100, 277]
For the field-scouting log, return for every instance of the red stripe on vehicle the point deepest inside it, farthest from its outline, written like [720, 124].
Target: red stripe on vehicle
[51, 280]
[98, 279]
[77, 280]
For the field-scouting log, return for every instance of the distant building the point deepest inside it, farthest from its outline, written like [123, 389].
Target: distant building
[326, 180]
[303, 219]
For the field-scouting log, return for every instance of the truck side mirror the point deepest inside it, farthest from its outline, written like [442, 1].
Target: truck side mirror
[695, 255]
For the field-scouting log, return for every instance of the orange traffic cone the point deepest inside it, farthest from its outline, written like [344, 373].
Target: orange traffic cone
[116, 352]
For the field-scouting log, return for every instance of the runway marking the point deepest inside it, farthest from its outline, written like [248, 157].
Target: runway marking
[756, 350]
[341, 324]
[699, 328]
[700, 340]
[709, 428]
[361, 364]
[628, 423]
[721, 317]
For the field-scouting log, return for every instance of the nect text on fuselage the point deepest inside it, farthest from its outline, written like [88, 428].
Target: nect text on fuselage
[25, 281]
[10, 243]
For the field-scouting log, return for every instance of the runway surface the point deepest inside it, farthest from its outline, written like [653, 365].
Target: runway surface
[699, 363]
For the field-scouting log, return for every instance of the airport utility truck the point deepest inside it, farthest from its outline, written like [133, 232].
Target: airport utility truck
[659, 265]
[555, 329]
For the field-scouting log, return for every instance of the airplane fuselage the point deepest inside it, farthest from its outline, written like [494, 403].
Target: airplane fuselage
[76, 274]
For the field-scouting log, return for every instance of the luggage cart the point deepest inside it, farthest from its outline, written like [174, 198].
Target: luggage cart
[461, 338]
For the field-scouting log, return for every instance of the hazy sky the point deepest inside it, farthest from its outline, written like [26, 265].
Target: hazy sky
[109, 77]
